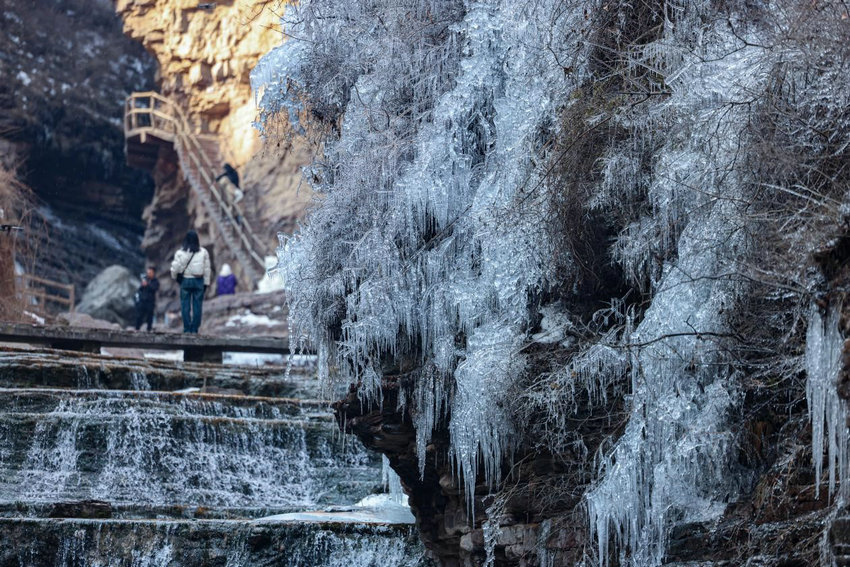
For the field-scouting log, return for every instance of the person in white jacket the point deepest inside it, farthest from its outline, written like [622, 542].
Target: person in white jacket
[191, 268]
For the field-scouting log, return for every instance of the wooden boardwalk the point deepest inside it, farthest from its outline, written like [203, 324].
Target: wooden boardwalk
[196, 348]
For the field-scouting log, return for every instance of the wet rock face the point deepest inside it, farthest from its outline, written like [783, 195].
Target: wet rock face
[539, 517]
[391, 432]
[205, 57]
[67, 67]
[91, 509]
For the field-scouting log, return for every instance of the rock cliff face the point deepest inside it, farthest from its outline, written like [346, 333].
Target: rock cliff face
[66, 68]
[205, 57]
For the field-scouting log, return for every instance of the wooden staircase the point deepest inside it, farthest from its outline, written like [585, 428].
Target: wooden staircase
[151, 120]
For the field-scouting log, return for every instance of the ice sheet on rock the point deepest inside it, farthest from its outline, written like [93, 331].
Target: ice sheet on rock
[374, 509]
[398, 515]
[672, 463]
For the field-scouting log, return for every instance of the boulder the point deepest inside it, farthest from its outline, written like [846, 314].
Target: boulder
[109, 296]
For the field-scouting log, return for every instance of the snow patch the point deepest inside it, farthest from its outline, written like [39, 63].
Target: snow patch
[374, 509]
[24, 78]
[249, 319]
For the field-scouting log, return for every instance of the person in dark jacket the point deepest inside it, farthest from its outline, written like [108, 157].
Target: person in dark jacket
[232, 194]
[225, 284]
[231, 174]
[146, 299]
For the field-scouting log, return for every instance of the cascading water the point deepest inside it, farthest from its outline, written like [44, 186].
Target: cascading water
[172, 449]
[90, 543]
[186, 478]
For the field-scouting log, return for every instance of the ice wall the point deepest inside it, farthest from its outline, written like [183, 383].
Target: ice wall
[672, 463]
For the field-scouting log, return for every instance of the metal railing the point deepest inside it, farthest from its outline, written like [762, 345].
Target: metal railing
[149, 114]
[37, 293]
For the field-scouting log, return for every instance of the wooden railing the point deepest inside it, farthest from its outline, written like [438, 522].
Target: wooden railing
[151, 115]
[38, 292]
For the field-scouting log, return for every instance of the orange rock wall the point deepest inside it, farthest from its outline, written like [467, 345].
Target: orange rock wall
[205, 58]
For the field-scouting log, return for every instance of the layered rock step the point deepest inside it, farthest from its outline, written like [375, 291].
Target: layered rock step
[47, 368]
[147, 463]
[207, 543]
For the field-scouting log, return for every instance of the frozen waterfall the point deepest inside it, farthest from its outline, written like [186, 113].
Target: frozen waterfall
[436, 252]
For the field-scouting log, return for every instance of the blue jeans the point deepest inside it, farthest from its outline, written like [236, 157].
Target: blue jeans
[191, 303]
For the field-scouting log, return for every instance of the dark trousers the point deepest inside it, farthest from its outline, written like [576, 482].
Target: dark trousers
[191, 303]
[144, 314]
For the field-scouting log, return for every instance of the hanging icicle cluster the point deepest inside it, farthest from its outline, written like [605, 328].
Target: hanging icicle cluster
[428, 243]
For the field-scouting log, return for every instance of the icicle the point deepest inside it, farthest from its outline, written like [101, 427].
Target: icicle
[827, 412]
[392, 482]
[451, 164]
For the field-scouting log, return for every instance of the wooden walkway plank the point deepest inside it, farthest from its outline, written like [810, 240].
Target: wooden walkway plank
[196, 348]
